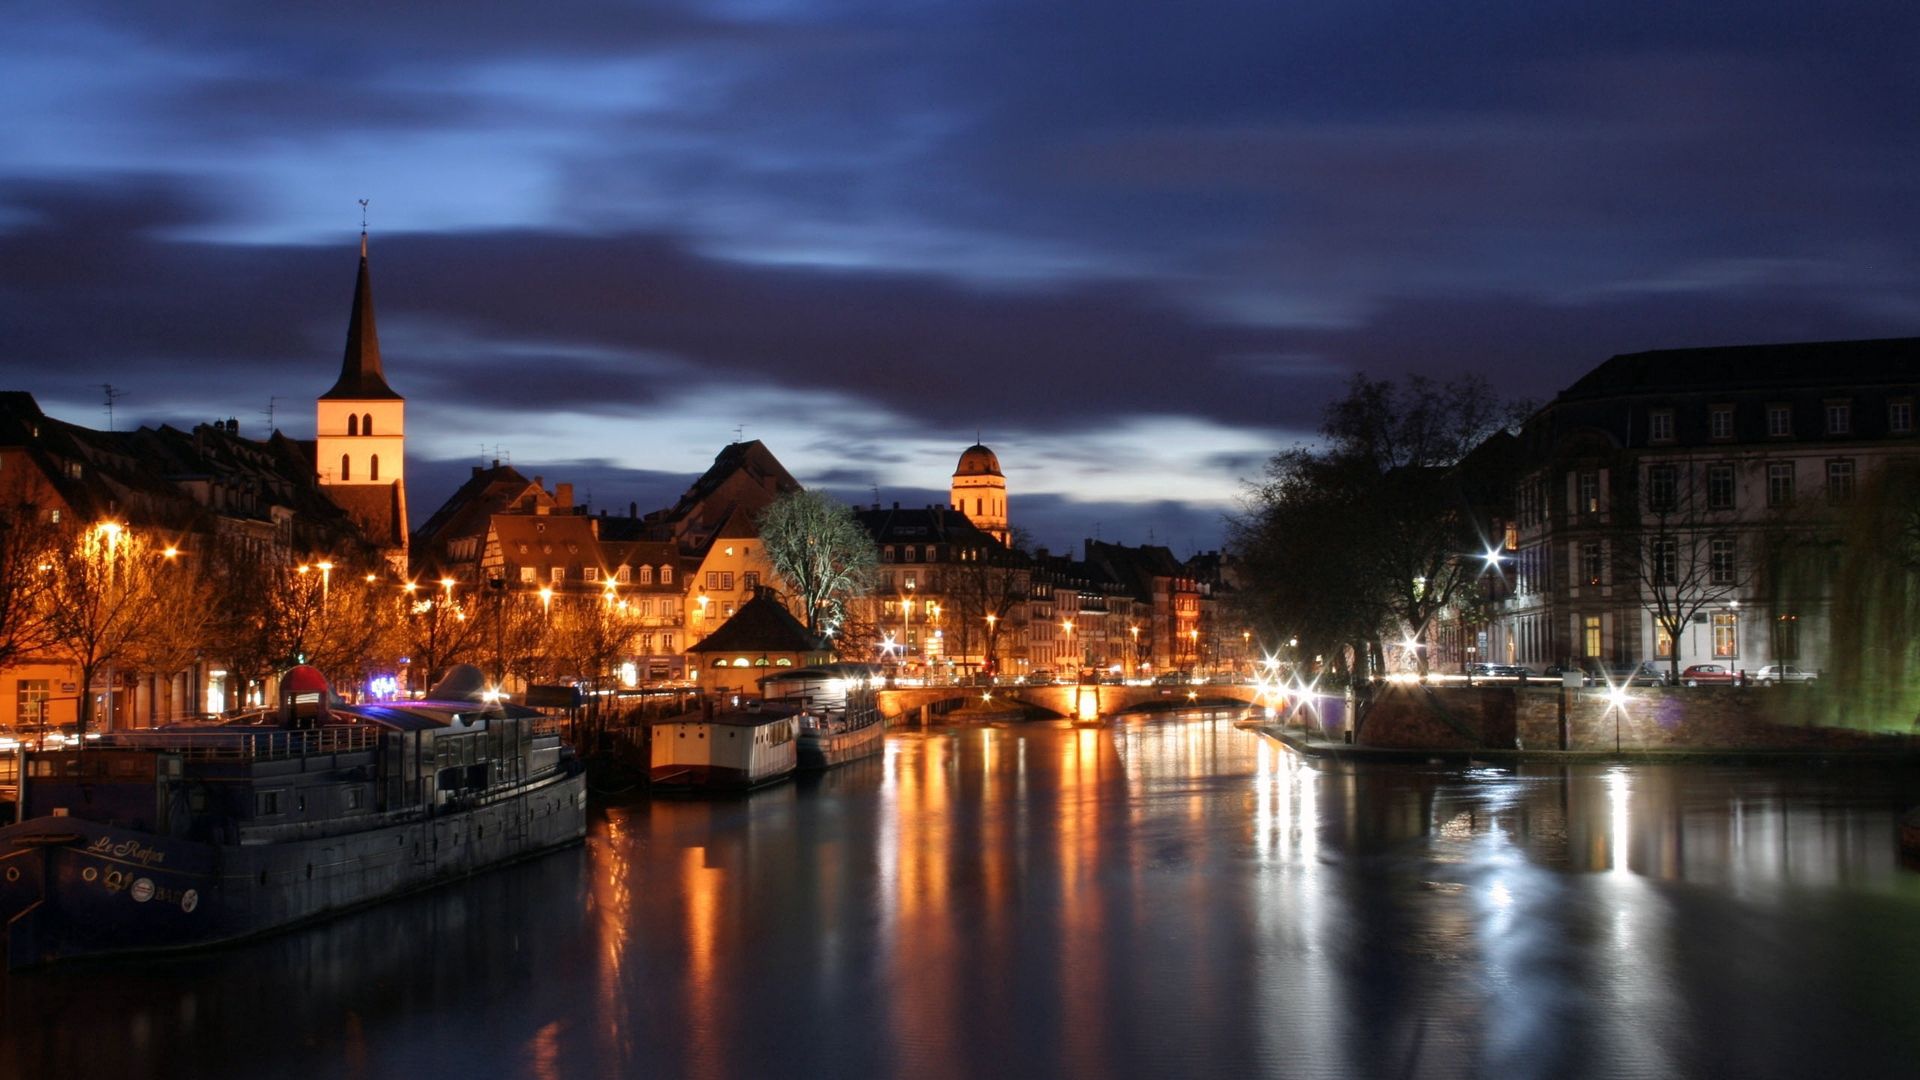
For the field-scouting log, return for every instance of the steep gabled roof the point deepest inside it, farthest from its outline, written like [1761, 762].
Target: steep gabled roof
[764, 625]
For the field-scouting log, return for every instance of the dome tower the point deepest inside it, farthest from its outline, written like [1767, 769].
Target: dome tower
[980, 491]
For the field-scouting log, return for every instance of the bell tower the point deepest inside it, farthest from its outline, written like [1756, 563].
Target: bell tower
[980, 491]
[360, 431]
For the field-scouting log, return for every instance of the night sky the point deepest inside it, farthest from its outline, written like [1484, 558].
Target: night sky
[1137, 244]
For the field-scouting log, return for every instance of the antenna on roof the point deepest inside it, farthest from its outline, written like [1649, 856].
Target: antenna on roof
[271, 398]
[111, 394]
[363, 228]
[739, 431]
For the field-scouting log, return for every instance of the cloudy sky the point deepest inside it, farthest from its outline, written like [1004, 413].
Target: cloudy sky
[1136, 244]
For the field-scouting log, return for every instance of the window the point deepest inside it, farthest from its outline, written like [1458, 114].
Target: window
[624, 575]
[749, 581]
[713, 581]
[1720, 422]
[527, 575]
[346, 467]
[1662, 491]
[366, 424]
[646, 575]
[1780, 484]
[1590, 635]
[1720, 553]
[1840, 481]
[32, 699]
[266, 803]
[1660, 426]
[1719, 487]
[1663, 559]
[1592, 561]
[726, 581]
[1899, 417]
[1786, 637]
[1726, 635]
[591, 573]
[1662, 640]
[666, 575]
[353, 425]
[559, 573]
[373, 468]
[1779, 421]
[1839, 417]
[1589, 493]
[666, 643]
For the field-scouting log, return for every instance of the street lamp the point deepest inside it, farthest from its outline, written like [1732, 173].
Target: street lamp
[1066, 625]
[546, 601]
[1133, 657]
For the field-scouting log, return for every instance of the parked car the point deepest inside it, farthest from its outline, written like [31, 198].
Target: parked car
[1042, 677]
[1561, 671]
[1775, 674]
[1509, 671]
[1708, 675]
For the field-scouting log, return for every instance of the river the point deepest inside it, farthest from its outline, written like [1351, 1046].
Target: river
[1158, 896]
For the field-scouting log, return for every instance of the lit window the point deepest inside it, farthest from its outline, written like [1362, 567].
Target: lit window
[591, 573]
[646, 575]
[559, 573]
[1662, 640]
[1726, 635]
[527, 574]
[666, 575]
[624, 575]
[1590, 635]
[1589, 489]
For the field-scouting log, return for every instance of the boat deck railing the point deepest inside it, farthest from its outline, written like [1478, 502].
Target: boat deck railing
[262, 745]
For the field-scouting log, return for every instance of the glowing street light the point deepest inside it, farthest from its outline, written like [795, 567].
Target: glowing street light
[546, 601]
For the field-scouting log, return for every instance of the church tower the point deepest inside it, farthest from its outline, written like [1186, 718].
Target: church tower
[980, 491]
[360, 432]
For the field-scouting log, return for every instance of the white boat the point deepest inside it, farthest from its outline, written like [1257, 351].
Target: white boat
[839, 717]
[731, 749]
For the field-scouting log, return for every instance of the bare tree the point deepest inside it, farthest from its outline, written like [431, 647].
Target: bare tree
[985, 586]
[1689, 562]
[27, 540]
[822, 554]
[103, 598]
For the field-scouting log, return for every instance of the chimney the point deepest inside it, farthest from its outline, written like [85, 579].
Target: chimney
[563, 498]
[476, 470]
[496, 464]
[633, 509]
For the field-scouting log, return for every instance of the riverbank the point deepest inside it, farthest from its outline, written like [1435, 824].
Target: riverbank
[1317, 746]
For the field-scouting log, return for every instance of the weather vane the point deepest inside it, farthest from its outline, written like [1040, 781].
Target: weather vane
[363, 215]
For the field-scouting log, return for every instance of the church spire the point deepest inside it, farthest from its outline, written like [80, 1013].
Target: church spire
[361, 378]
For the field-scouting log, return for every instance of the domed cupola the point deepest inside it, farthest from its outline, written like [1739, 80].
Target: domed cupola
[980, 491]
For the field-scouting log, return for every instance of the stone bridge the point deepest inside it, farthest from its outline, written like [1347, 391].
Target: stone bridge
[1087, 701]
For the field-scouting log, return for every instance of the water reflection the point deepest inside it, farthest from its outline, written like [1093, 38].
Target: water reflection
[1155, 896]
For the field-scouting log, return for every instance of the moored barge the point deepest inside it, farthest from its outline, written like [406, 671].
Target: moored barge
[146, 841]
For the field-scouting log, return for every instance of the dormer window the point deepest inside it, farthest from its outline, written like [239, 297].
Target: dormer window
[1779, 421]
[1720, 422]
[1660, 426]
[1839, 417]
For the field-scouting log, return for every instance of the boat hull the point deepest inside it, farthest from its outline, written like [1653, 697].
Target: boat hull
[74, 888]
[819, 749]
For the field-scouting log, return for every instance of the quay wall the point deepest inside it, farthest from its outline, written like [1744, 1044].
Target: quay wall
[1648, 718]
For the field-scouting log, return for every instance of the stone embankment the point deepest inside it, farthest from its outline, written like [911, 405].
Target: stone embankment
[1553, 718]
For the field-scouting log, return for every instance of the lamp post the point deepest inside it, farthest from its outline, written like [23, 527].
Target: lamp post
[1133, 654]
[988, 651]
[1066, 627]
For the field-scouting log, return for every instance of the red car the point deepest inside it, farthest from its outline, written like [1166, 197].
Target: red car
[1706, 674]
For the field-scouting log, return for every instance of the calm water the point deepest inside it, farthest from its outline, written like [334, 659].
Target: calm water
[1160, 897]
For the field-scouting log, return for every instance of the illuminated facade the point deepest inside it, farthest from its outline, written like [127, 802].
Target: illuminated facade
[980, 491]
[1718, 482]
